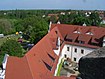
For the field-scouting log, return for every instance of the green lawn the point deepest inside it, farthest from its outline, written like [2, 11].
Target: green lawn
[59, 69]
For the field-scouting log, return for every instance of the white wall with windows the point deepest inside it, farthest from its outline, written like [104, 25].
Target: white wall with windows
[73, 52]
[76, 52]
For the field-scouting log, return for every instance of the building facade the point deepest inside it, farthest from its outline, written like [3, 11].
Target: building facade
[75, 52]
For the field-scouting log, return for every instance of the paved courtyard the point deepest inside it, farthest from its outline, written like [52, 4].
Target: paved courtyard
[68, 70]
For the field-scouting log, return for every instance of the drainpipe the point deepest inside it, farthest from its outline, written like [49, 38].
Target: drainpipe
[71, 52]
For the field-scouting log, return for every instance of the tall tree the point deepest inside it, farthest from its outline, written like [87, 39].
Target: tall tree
[35, 27]
[5, 26]
[11, 47]
[94, 17]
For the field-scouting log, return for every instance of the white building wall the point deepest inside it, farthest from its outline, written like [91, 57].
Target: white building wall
[103, 41]
[60, 58]
[103, 22]
[68, 53]
[4, 63]
[71, 53]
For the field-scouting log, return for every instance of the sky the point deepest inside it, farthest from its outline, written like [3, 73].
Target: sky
[53, 4]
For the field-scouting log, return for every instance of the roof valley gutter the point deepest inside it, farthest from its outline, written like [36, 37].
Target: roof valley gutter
[30, 68]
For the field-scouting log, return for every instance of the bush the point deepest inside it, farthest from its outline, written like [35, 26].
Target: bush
[11, 47]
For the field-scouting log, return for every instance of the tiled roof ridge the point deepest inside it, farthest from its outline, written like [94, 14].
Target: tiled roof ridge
[76, 26]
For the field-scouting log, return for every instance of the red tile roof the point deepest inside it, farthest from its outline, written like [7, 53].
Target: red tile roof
[18, 68]
[67, 32]
[41, 61]
[56, 15]
[72, 36]
[85, 38]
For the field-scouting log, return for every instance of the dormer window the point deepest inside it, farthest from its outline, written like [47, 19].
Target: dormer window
[51, 57]
[47, 66]
[76, 32]
[81, 42]
[56, 32]
[58, 42]
[89, 33]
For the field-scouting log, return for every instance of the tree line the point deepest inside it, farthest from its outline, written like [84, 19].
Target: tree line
[35, 26]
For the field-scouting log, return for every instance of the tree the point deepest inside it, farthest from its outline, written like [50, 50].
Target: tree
[80, 20]
[18, 25]
[104, 13]
[68, 18]
[5, 26]
[11, 47]
[94, 17]
[35, 27]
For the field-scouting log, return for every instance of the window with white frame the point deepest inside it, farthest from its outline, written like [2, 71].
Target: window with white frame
[75, 59]
[82, 51]
[81, 42]
[75, 50]
[68, 48]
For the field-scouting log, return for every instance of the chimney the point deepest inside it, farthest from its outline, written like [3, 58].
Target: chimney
[58, 42]
[84, 24]
[58, 22]
[49, 26]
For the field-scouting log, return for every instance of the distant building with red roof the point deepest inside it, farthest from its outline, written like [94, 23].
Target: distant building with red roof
[42, 61]
[53, 15]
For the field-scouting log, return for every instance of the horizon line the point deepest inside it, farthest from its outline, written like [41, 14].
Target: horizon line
[51, 9]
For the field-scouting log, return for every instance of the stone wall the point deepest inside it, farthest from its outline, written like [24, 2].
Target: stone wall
[92, 68]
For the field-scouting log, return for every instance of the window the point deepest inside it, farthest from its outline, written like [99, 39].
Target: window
[75, 50]
[56, 32]
[65, 55]
[81, 42]
[67, 48]
[51, 57]
[47, 66]
[82, 51]
[76, 32]
[75, 59]
[89, 33]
